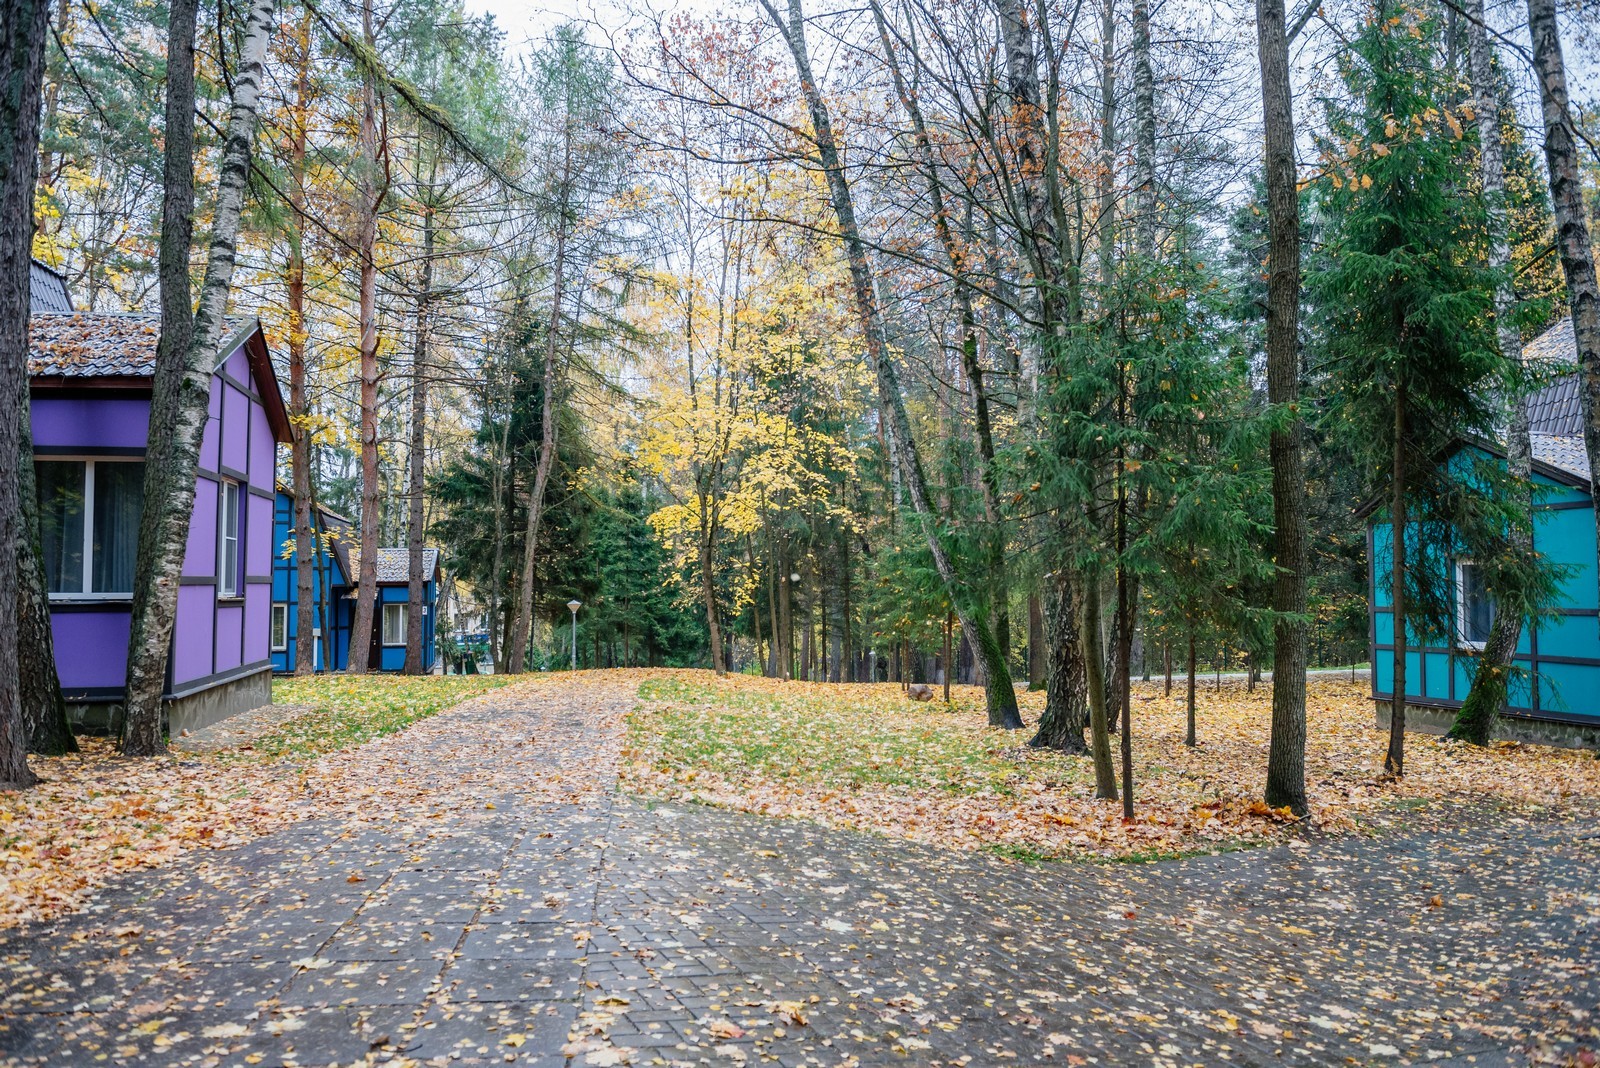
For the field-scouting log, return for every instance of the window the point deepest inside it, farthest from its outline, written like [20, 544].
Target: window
[280, 628]
[89, 524]
[1474, 607]
[228, 549]
[394, 624]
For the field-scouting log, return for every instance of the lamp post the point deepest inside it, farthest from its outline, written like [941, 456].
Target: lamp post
[574, 606]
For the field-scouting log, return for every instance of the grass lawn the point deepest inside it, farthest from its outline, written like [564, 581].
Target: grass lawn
[865, 756]
[347, 710]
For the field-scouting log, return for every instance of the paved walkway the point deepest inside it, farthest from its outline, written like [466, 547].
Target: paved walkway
[516, 910]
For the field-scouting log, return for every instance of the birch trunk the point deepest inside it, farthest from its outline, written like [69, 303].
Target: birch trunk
[181, 391]
[1475, 721]
[1572, 231]
[1001, 698]
[1286, 756]
[366, 243]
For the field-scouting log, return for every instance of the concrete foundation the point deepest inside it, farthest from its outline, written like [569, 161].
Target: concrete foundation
[188, 713]
[1424, 719]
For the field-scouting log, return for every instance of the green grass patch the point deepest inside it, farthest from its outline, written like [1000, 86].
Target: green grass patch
[348, 710]
[838, 737]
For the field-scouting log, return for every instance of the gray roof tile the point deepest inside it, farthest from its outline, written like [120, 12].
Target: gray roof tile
[1564, 451]
[47, 291]
[394, 564]
[1554, 408]
[99, 345]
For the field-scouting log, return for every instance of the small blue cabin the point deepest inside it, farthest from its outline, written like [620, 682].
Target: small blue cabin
[335, 573]
[1555, 698]
[387, 643]
[327, 577]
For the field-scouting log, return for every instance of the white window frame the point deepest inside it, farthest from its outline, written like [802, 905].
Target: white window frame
[88, 463]
[383, 623]
[1462, 641]
[280, 610]
[228, 577]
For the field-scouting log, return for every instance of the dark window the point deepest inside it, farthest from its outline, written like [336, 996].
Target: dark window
[1474, 608]
[105, 549]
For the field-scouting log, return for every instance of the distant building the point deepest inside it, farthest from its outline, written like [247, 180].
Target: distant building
[328, 581]
[1557, 699]
[90, 380]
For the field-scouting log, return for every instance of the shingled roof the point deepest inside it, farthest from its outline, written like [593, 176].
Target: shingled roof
[1555, 408]
[47, 291]
[1562, 451]
[394, 564]
[103, 345]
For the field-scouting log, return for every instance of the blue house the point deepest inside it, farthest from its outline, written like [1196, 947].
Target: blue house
[1555, 698]
[335, 573]
[386, 649]
[327, 577]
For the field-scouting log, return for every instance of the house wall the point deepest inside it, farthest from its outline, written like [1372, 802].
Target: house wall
[216, 643]
[325, 575]
[390, 657]
[1559, 681]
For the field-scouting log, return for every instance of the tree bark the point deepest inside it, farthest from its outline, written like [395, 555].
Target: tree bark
[181, 391]
[306, 542]
[371, 192]
[23, 26]
[547, 450]
[1189, 738]
[44, 710]
[1572, 231]
[420, 374]
[1066, 702]
[1000, 697]
[1105, 772]
[1287, 747]
[1475, 722]
[1394, 759]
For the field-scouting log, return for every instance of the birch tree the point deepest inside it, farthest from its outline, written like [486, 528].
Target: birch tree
[181, 390]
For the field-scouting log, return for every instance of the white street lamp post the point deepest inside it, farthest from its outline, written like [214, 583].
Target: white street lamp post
[574, 606]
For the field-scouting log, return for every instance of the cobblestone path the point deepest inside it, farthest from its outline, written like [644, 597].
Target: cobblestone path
[528, 914]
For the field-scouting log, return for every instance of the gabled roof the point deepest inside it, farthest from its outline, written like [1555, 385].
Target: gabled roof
[1555, 408]
[47, 291]
[87, 349]
[394, 564]
[1565, 452]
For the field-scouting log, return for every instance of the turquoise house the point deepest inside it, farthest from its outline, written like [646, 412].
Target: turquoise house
[1556, 698]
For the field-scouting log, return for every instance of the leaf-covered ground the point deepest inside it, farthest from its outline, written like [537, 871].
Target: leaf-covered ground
[96, 814]
[866, 757]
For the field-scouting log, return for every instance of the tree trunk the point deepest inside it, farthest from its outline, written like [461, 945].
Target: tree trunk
[547, 430]
[1188, 701]
[1286, 756]
[1001, 698]
[1394, 760]
[1038, 654]
[181, 390]
[371, 198]
[1475, 722]
[23, 26]
[708, 593]
[1066, 702]
[44, 710]
[1572, 231]
[419, 446]
[1089, 618]
[306, 545]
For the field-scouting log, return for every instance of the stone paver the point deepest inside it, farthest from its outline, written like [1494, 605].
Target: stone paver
[501, 926]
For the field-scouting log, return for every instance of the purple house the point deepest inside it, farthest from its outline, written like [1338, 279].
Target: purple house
[90, 385]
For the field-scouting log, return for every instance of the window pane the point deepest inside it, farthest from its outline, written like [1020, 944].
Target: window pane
[280, 626]
[229, 561]
[60, 486]
[118, 503]
[394, 624]
[1477, 609]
